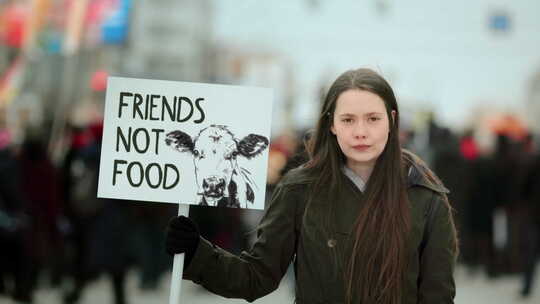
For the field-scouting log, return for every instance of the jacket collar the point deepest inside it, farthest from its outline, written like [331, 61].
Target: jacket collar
[417, 176]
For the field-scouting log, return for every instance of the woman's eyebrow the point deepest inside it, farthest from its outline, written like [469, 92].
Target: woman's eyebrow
[373, 113]
[365, 114]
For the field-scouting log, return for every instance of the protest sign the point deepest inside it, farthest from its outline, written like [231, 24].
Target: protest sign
[180, 142]
[187, 143]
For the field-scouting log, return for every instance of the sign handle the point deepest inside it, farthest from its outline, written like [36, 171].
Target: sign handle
[178, 265]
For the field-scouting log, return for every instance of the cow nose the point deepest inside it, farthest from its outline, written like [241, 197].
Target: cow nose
[213, 186]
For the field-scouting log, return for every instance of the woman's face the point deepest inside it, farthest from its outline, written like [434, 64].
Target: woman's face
[361, 126]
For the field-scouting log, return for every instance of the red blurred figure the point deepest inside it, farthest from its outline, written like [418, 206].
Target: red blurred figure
[468, 147]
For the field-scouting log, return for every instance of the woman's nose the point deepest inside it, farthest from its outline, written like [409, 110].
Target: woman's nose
[360, 130]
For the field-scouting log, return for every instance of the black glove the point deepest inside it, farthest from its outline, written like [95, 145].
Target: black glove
[182, 237]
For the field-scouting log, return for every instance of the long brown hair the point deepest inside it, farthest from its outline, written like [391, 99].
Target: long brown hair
[375, 272]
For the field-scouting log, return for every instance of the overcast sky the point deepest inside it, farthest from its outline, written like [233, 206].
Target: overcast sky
[441, 54]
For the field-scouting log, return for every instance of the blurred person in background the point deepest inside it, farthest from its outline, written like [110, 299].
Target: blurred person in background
[148, 239]
[79, 207]
[100, 226]
[15, 264]
[364, 221]
[451, 168]
[508, 171]
[493, 204]
[480, 205]
[530, 234]
[474, 209]
[40, 184]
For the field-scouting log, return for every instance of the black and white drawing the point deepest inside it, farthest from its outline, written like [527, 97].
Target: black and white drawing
[220, 179]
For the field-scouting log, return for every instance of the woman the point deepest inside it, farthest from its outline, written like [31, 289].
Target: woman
[362, 220]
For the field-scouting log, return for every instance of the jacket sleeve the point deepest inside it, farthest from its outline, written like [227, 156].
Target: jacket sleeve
[258, 272]
[436, 283]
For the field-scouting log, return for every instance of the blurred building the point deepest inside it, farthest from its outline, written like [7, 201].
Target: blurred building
[252, 66]
[170, 40]
[55, 56]
[533, 104]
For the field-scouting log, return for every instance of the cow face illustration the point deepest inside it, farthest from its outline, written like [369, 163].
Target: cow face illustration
[221, 182]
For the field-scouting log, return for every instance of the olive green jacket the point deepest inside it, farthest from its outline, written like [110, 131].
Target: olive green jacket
[286, 234]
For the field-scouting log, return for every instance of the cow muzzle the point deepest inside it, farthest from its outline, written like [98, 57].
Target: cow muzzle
[213, 187]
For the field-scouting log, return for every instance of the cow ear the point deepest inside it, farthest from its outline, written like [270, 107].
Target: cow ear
[179, 140]
[252, 145]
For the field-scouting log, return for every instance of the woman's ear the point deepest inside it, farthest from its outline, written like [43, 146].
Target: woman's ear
[393, 113]
[332, 129]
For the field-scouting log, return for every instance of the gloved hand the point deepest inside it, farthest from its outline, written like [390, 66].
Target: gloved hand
[182, 237]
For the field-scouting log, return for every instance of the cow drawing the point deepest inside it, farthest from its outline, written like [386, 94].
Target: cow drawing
[220, 180]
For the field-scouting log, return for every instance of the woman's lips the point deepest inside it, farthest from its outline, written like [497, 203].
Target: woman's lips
[361, 147]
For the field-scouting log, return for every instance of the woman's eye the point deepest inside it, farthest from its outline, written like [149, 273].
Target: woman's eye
[374, 119]
[347, 120]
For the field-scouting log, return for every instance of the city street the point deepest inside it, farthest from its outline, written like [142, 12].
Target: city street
[474, 290]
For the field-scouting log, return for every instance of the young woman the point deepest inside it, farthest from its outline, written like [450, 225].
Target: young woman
[363, 220]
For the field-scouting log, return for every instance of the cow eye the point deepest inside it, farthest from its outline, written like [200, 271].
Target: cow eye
[198, 154]
[231, 155]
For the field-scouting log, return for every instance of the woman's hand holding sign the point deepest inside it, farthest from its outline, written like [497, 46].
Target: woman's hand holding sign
[182, 237]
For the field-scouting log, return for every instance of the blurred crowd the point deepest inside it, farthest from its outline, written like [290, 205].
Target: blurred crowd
[55, 232]
[495, 192]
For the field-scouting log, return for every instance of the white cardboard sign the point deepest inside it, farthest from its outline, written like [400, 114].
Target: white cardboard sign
[180, 142]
